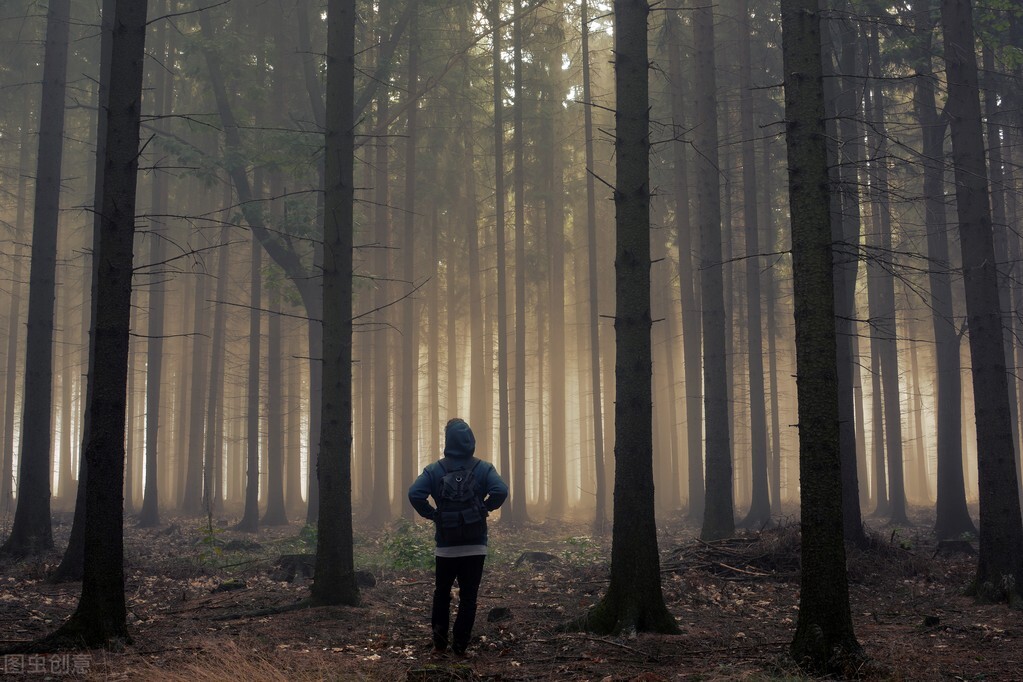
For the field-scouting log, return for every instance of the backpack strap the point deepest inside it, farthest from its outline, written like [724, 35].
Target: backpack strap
[475, 463]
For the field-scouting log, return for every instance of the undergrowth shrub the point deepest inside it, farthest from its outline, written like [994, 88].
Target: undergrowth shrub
[409, 545]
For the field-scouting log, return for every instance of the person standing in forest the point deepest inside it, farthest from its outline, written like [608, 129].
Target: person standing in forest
[465, 490]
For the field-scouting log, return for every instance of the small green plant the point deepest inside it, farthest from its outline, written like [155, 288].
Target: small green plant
[409, 546]
[581, 550]
[212, 545]
[903, 542]
[308, 536]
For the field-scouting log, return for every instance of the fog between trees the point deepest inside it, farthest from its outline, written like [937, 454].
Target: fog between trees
[484, 264]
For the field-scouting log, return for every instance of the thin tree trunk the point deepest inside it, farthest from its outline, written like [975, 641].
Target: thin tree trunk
[504, 444]
[555, 223]
[31, 532]
[884, 321]
[688, 279]
[718, 519]
[250, 517]
[600, 514]
[380, 512]
[760, 505]
[276, 511]
[517, 500]
[212, 491]
[770, 289]
[162, 90]
[14, 317]
[409, 446]
[191, 502]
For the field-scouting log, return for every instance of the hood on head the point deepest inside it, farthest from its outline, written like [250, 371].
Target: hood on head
[459, 441]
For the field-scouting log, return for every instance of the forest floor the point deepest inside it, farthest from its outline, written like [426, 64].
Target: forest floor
[201, 602]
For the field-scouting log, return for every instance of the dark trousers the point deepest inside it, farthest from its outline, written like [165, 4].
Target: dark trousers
[468, 570]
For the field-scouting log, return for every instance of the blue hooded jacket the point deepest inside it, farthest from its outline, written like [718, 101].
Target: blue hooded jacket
[459, 447]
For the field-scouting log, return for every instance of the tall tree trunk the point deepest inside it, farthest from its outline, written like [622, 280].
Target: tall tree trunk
[72, 563]
[881, 505]
[884, 322]
[718, 519]
[31, 532]
[688, 278]
[191, 501]
[293, 458]
[184, 391]
[131, 426]
[380, 513]
[1001, 529]
[250, 517]
[334, 582]
[101, 615]
[276, 513]
[65, 481]
[409, 446]
[760, 505]
[846, 226]
[770, 289]
[824, 632]
[633, 600]
[14, 317]
[504, 445]
[999, 223]
[162, 91]
[517, 500]
[918, 427]
[600, 514]
[555, 223]
[212, 490]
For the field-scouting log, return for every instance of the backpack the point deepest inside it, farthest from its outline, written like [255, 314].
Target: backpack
[461, 518]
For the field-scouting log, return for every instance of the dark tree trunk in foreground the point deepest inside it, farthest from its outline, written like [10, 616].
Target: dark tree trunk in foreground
[1000, 564]
[718, 517]
[72, 563]
[952, 517]
[633, 600]
[101, 615]
[31, 532]
[335, 562]
[824, 628]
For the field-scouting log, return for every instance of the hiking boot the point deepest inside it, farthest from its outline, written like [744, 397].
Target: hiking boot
[458, 648]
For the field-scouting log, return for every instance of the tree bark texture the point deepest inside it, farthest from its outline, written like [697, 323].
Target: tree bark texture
[334, 581]
[824, 626]
[1000, 562]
